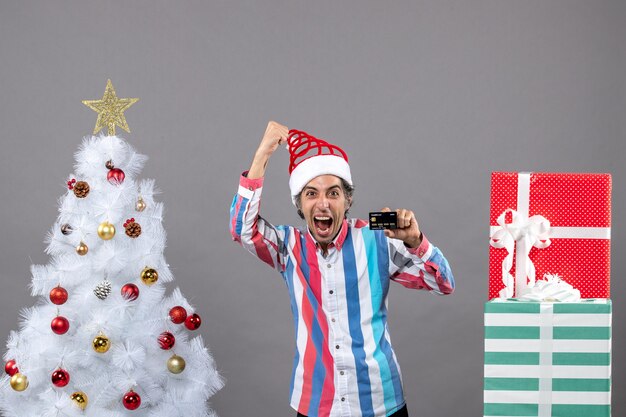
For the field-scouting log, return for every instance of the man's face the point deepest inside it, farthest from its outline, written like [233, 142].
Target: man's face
[324, 205]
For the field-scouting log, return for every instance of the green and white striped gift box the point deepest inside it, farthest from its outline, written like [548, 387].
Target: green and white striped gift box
[546, 359]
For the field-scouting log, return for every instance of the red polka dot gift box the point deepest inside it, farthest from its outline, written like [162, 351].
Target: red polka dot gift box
[556, 223]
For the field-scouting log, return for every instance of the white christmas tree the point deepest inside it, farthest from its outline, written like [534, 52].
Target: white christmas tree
[104, 338]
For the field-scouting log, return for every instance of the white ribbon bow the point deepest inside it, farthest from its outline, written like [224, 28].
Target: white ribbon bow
[526, 232]
[550, 288]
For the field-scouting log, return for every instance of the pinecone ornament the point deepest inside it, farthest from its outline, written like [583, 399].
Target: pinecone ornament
[81, 189]
[103, 289]
[133, 229]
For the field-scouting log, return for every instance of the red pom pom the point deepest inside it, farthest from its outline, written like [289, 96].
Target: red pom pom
[60, 325]
[166, 340]
[11, 367]
[60, 378]
[178, 314]
[193, 322]
[130, 292]
[116, 176]
[131, 400]
[58, 295]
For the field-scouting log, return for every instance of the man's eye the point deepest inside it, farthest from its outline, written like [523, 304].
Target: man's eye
[310, 193]
[334, 193]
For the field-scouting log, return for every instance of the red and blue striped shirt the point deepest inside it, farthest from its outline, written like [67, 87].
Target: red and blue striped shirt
[344, 363]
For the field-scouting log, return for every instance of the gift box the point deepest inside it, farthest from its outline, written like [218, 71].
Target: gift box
[547, 223]
[546, 359]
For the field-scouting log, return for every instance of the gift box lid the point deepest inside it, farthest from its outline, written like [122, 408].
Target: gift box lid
[566, 199]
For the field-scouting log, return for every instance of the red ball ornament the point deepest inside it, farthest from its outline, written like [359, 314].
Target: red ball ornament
[116, 176]
[11, 367]
[60, 378]
[60, 325]
[131, 400]
[130, 292]
[193, 322]
[166, 340]
[58, 295]
[178, 314]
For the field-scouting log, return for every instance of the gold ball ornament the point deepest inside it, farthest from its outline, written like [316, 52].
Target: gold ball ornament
[19, 382]
[106, 231]
[80, 399]
[176, 364]
[101, 343]
[149, 276]
[82, 249]
[140, 205]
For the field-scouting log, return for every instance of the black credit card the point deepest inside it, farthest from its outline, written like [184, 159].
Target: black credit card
[383, 220]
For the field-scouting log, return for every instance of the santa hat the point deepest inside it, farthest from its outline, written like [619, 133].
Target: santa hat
[311, 157]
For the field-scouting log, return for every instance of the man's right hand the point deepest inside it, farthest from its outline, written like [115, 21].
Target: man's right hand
[275, 135]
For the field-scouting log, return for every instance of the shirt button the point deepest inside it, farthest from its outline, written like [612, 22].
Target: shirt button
[250, 188]
[343, 398]
[336, 346]
[421, 253]
[330, 292]
[333, 320]
[341, 372]
[329, 266]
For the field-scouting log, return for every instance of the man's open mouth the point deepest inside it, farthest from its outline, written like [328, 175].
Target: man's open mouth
[323, 225]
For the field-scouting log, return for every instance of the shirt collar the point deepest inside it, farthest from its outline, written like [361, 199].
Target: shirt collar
[337, 241]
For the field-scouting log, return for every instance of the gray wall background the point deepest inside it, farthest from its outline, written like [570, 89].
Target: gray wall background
[427, 97]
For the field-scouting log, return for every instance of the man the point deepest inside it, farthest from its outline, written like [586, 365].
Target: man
[337, 272]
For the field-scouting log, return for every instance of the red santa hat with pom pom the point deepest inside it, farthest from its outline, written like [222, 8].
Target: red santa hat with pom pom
[311, 157]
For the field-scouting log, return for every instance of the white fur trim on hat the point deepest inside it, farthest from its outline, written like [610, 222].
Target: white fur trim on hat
[315, 166]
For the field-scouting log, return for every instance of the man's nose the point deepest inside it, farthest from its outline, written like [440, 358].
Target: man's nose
[322, 202]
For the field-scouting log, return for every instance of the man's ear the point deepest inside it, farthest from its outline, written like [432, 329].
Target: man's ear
[348, 205]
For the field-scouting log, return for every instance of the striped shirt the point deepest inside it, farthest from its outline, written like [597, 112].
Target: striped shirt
[344, 363]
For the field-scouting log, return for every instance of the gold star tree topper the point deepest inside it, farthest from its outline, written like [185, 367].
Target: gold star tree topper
[110, 110]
